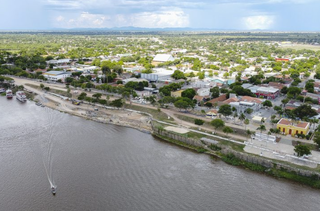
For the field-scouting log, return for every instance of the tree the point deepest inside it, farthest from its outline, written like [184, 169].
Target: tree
[316, 138]
[267, 103]
[304, 111]
[178, 75]
[249, 132]
[227, 130]
[181, 104]
[82, 96]
[285, 101]
[225, 110]
[242, 117]
[246, 122]
[117, 103]
[189, 93]
[41, 86]
[191, 75]
[118, 69]
[284, 90]
[97, 96]
[201, 75]
[309, 86]
[208, 104]
[69, 80]
[293, 91]
[198, 121]
[249, 111]
[215, 92]
[261, 128]
[217, 123]
[302, 150]
[105, 70]
[76, 74]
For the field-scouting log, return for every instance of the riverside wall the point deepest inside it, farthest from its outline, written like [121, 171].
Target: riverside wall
[178, 137]
[225, 150]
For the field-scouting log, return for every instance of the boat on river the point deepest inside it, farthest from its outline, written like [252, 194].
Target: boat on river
[21, 96]
[53, 190]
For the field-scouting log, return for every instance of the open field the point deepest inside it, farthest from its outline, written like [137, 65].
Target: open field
[302, 46]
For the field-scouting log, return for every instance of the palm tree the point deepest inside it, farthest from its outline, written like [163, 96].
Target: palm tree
[246, 122]
[263, 120]
[242, 117]
[249, 132]
[261, 128]
[273, 117]
[235, 115]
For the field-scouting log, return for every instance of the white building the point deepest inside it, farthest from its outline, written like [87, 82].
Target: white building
[134, 80]
[59, 62]
[203, 92]
[160, 58]
[56, 75]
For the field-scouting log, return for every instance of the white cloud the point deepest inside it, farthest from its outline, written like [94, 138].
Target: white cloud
[171, 18]
[259, 22]
[160, 19]
[60, 18]
[262, 2]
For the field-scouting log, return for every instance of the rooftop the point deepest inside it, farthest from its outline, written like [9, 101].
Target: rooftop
[251, 99]
[299, 124]
[163, 58]
[234, 99]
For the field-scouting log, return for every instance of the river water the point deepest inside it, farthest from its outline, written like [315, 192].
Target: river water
[106, 167]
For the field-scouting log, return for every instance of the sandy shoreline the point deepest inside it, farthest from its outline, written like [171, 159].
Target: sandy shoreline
[101, 114]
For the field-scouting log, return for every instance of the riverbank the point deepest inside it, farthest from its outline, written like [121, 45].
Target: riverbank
[102, 114]
[105, 115]
[241, 159]
[142, 122]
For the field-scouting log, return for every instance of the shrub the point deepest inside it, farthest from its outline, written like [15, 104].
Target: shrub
[214, 147]
[198, 121]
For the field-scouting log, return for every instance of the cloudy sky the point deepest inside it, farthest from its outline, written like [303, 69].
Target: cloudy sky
[280, 15]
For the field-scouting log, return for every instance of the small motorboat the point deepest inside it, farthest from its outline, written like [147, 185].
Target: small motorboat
[53, 190]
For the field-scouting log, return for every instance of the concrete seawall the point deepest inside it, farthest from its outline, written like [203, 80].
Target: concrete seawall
[225, 150]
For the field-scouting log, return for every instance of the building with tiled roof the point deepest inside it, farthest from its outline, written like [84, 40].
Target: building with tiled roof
[221, 98]
[293, 128]
[200, 98]
[230, 100]
[276, 85]
[212, 113]
[251, 99]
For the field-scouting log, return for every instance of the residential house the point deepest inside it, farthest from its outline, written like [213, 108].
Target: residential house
[203, 91]
[200, 99]
[212, 113]
[230, 100]
[221, 98]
